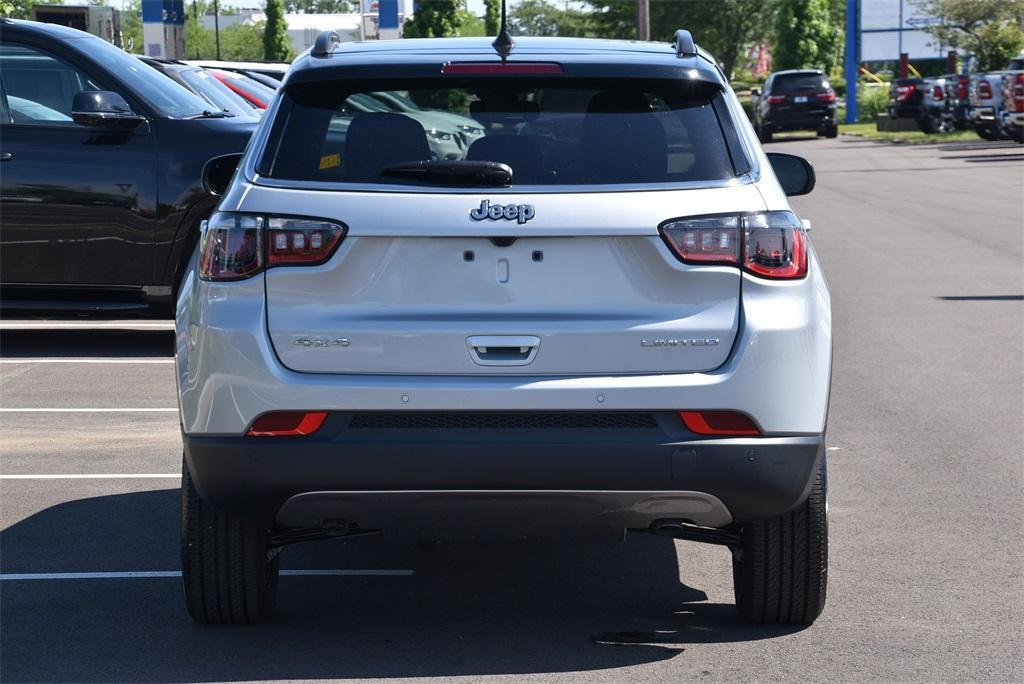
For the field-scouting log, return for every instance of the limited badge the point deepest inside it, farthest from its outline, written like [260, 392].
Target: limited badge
[330, 161]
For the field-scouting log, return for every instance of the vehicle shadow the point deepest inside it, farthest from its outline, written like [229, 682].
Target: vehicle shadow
[467, 610]
[86, 343]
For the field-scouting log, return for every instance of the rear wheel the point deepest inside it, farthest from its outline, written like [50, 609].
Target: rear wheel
[831, 131]
[764, 134]
[986, 133]
[230, 573]
[780, 569]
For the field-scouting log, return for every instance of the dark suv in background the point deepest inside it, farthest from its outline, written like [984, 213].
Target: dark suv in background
[101, 190]
[798, 100]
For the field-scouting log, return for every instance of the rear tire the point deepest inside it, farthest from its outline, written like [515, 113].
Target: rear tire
[831, 131]
[780, 570]
[764, 134]
[986, 133]
[229, 575]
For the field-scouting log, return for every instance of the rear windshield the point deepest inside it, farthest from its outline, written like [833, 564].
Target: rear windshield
[569, 132]
[794, 83]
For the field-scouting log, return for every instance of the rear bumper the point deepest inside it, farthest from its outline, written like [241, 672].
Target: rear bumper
[408, 478]
[982, 115]
[801, 120]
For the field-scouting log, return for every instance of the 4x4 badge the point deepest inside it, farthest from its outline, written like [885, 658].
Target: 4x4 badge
[502, 212]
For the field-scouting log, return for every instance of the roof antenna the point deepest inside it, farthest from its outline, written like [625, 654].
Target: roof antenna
[503, 44]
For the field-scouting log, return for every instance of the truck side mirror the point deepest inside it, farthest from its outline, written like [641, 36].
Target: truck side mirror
[103, 109]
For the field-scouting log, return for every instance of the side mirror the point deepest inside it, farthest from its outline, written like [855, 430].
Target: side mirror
[795, 174]
[218, 171]
[103, 109]
[755, 92]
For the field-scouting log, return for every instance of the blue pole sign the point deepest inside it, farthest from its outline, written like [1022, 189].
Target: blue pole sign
[388, 14]
[852, 69]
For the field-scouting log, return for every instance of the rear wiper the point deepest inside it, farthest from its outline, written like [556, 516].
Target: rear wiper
[462, 172]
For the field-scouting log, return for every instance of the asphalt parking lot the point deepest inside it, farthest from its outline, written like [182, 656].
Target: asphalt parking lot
[924, 250]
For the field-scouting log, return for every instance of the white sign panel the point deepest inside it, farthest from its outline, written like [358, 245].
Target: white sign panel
[889, 27]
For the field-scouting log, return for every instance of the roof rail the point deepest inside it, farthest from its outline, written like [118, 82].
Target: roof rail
[325, 43]
[684, 44]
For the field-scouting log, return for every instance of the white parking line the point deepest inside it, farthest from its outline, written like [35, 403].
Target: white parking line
[94, 476]
[87, 325]
[87, 410]
[160, 574]
[73, 360]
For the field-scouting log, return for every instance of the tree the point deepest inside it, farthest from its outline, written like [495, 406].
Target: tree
[805, 36]
[541, 18]
[435, 19]
[276, 45]
[991, 30]
[320, 6]
[22, 9]
[492, 17]
[724, 27]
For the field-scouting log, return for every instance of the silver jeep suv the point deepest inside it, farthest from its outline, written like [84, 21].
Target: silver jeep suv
[602, 315]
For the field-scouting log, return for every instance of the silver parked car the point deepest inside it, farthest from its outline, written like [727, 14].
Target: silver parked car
[604, 315]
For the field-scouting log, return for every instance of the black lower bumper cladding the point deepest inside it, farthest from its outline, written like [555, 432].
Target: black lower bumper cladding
[604, 468]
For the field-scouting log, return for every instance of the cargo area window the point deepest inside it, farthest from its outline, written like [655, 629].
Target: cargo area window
[548, 131]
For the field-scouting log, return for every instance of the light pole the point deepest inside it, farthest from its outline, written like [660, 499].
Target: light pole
[643, 19]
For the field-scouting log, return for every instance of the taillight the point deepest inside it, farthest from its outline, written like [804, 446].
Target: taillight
[775, 245]
[829, 96]
[937, 92]
[905, 92]
[776, 99]
[1018, 93]
[770, 244]
[236, 246]
[719, 423]
[961, 87]
[231, 247]
[296, 241]
[287, 424]
[985, 90]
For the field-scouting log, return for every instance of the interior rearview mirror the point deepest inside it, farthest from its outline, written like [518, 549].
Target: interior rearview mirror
[218, 171]
[795, 174]
[103, 109]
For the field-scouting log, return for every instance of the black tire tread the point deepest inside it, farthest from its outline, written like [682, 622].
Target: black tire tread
[228, 577]
[781, 569]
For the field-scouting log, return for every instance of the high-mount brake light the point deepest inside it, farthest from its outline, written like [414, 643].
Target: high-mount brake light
[985, 90]
[287, 424]
[770, 244]
[237, 246]
[500, 68]
[719, 423]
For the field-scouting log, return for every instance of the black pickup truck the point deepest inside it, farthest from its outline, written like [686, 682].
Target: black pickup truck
[100, 181]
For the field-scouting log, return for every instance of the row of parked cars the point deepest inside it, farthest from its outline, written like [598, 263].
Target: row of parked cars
[991, 104]
[103, 153]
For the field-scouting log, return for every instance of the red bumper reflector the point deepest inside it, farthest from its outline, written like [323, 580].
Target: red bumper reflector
[498, 68]
[287, 424]
[719, 423]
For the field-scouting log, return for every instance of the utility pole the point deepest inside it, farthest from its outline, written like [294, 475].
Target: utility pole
[216, 27]
[643, 19]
